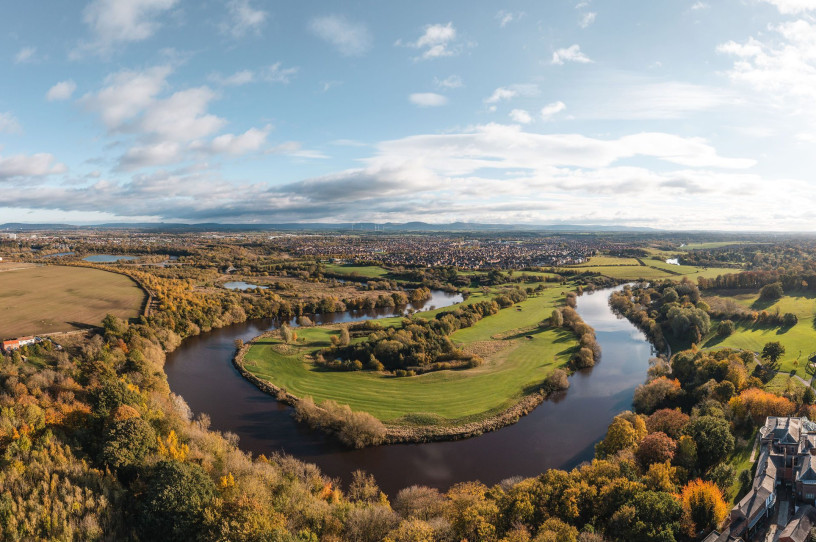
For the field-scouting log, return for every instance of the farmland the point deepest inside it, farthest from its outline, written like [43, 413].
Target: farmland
[37, 300]
[648, 269]
[515, 365]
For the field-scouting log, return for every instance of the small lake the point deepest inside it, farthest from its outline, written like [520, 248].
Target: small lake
[107, 258]
[241, 285]
[560, 433]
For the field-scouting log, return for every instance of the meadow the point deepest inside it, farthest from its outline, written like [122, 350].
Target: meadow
[368, 271]
[37, 300]
[799, 340]
[515, 366]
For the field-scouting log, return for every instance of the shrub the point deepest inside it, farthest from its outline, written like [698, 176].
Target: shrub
[771, 292]
[725, 329]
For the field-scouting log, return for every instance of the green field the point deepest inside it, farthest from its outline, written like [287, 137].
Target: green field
[799, 340]
[630, 269]
[39, 300]
[369, 271]
[516, 367]
[602, 261]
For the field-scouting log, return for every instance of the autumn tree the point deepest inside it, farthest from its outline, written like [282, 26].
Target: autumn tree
[655, 448]
[703, 506]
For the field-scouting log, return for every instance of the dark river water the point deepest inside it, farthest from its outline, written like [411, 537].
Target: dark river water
[558, 434]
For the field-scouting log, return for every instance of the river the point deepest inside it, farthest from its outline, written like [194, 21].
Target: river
[560, 433]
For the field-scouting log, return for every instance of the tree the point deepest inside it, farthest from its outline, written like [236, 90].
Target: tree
[556, 319]
[713, 438]
[127, 442]
[703, 506]
[345, 338]
[659, 392]
[555, 530]
[771, 292]
[655, 448]
[771, 352]
[668, 420]
[726, 328]
[619, 436]
[173, 504]
[649, 516]
[239, 343]
[286, 333]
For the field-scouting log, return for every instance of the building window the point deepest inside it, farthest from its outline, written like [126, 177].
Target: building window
[809, 496]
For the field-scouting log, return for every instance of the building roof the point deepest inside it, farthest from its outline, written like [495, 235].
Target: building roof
[799, 527]
[754, 502]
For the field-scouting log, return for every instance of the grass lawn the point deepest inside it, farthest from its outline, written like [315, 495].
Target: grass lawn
[514, 368]
[370, 271]
[716, 244]
[799, 341]
[54, 298]
[740, 460]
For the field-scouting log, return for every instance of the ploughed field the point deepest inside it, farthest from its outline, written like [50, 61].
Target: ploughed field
[38, 300]
[518, 357]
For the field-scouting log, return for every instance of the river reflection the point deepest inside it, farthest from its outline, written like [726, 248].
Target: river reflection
[560, 433]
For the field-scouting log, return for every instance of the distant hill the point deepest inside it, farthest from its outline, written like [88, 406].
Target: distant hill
[320, 226]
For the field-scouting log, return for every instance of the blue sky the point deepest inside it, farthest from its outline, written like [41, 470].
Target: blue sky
[678, 114]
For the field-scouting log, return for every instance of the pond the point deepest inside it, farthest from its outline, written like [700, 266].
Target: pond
[106, 258]
[560, 433]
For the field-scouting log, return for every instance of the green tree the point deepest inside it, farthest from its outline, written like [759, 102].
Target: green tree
[771, 352]
[726, 328]
[771, 292]
[127, 442]
[173, 503]
[713, 438]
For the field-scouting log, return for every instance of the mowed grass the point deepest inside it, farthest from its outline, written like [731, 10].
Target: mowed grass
[799, 340]
[370, 271]
[48, 299]
[452, 396]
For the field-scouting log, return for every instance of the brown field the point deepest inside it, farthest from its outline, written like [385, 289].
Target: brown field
[48, 299]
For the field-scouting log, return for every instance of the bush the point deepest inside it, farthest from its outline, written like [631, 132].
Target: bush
[771, 292]
[557, 381]
[726, 328]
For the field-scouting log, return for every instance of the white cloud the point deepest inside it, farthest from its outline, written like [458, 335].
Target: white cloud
[9, 124]
[236, 145]
[61, 91]
[512, 91]
[126, 95]
[507, 17]
[789, 7]
[237, 79]
[182, 116]
[427, 99]
[699, 6]
[781, 67]
[276, 73]
[587, 19]
[158, 154]
[121, 21]
[550, 110]
[243, 19]
[438, 41]
[642, 99]
[26, 54]
[349, 38]
[570, 54]
[450, 82]
[522, 116]
[25, 165]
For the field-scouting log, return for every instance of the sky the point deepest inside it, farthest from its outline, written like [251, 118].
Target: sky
[677, 114]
